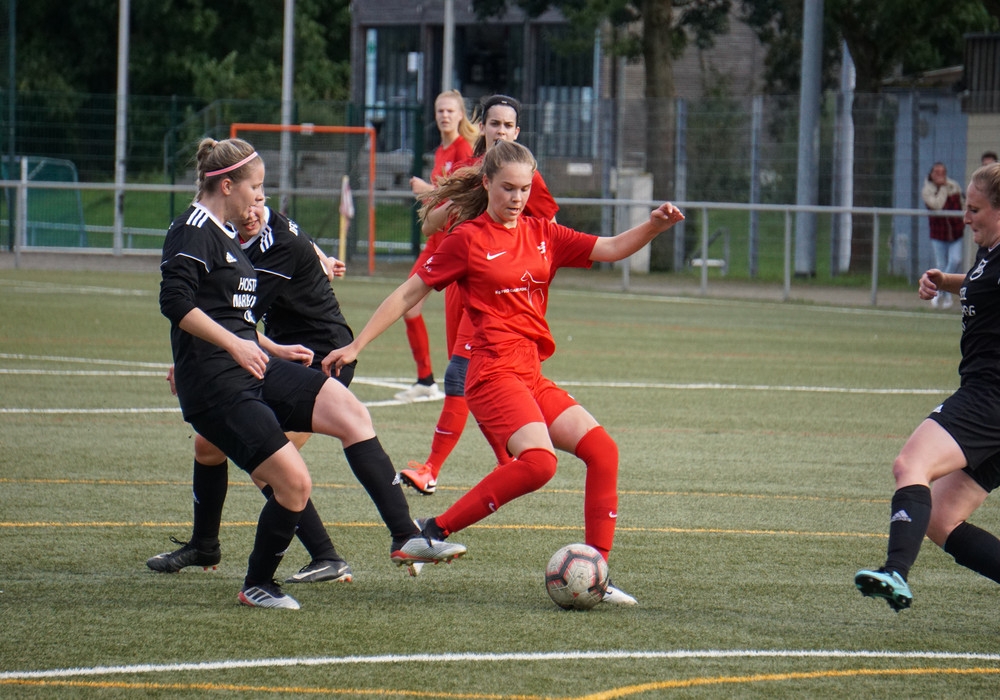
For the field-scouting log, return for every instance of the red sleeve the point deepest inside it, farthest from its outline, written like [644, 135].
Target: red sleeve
[540, 202]
[570, 248]
[449, 261]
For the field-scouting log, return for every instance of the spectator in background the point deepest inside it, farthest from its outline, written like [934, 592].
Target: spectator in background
[941, 193]
[988, 157]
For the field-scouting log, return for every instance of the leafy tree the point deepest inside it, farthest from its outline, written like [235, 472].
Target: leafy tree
[192, 48]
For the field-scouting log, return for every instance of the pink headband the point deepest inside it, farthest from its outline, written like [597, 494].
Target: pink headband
[232, 167]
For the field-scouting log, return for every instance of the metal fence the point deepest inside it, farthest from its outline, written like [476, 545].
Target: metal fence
[721, 151]
[716, 240]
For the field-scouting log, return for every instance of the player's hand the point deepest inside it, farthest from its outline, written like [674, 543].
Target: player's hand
[293, 353]
[665, 216]
[338, 358]
[250, 357]
[420, 186]
[335, 268]
[930, 282]
[171, 381]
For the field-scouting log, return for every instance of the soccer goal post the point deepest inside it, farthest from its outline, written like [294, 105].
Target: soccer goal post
[322, 155]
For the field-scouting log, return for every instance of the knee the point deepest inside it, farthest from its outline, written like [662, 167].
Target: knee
[454, 376]
[537, 468]
[907, 473]
[296, 492]
[206, 453]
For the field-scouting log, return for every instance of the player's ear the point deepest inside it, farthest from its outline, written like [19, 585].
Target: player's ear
[486, 182]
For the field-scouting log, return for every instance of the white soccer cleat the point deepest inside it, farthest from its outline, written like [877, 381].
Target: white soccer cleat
[267, 595]
[616, 596]
[420, 392]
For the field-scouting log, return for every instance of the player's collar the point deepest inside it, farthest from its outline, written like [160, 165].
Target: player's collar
[228, 230]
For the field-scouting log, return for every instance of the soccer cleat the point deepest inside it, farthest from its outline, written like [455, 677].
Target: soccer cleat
[267, 595]
[616, 596]
[187, 555]
[420, 477]
[420, 549]
[420, 392]
[882, 584]
[323, 570]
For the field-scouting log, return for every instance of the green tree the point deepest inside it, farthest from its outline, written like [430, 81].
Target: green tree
[192, 48]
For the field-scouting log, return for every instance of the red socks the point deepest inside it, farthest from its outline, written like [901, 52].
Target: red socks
[529, 472]
[420, 345]
[600, 502]
[449, 429]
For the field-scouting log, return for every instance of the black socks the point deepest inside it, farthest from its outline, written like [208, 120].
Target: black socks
[911, 513]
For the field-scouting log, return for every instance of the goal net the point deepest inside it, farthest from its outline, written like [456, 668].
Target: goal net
[319, 158]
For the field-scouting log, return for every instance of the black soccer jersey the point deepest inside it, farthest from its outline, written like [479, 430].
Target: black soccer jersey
[294, 297]
[203, 267]
[980, 296]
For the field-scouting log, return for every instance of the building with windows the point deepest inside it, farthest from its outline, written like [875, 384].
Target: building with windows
[396, 56]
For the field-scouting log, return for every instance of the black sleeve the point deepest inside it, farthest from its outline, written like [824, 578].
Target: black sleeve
[182, 266]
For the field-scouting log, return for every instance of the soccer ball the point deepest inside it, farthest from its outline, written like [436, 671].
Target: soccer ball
[576, 577]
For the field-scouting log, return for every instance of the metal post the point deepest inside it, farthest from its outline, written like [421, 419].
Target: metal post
[448, 59]
[680, 180]
[11, 111]
[756, 126]
[875, 237]
[786, 295]
[287, 101]
[807, 192]
[704, 251]
[21, 228]
[121, 125]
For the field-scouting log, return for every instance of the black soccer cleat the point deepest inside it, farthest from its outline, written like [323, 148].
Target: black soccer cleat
[187, 555]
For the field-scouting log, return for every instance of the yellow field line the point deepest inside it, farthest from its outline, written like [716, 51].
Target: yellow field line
[622, 692]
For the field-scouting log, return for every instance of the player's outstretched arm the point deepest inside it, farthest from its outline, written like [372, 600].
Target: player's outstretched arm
[404, 298]
[628, 242]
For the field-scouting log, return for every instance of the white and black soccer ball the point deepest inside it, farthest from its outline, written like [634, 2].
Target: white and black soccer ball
[576, 577]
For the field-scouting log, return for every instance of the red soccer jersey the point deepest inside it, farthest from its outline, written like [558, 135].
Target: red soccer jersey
[446, 159]
[504, 275]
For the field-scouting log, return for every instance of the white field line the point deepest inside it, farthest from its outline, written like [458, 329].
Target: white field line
[158, 370]
[498, 658]
[50, 288]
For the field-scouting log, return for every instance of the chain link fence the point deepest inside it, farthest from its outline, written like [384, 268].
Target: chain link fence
[596, 156]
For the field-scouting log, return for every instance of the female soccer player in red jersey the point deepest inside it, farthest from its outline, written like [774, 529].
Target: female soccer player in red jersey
[499, 120]
[503, 264]
[458, 135]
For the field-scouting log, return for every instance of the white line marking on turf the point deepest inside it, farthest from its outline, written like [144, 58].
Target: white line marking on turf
[83, 360]
[399, 383]
[84, 373]
[49, 288]
[87, 411]
[751, 387]
[499, 658]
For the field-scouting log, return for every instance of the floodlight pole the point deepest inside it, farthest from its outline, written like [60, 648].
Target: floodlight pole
[287, 73]
[448, 57]
[121, 114]
[11, 111]
[807, 191]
